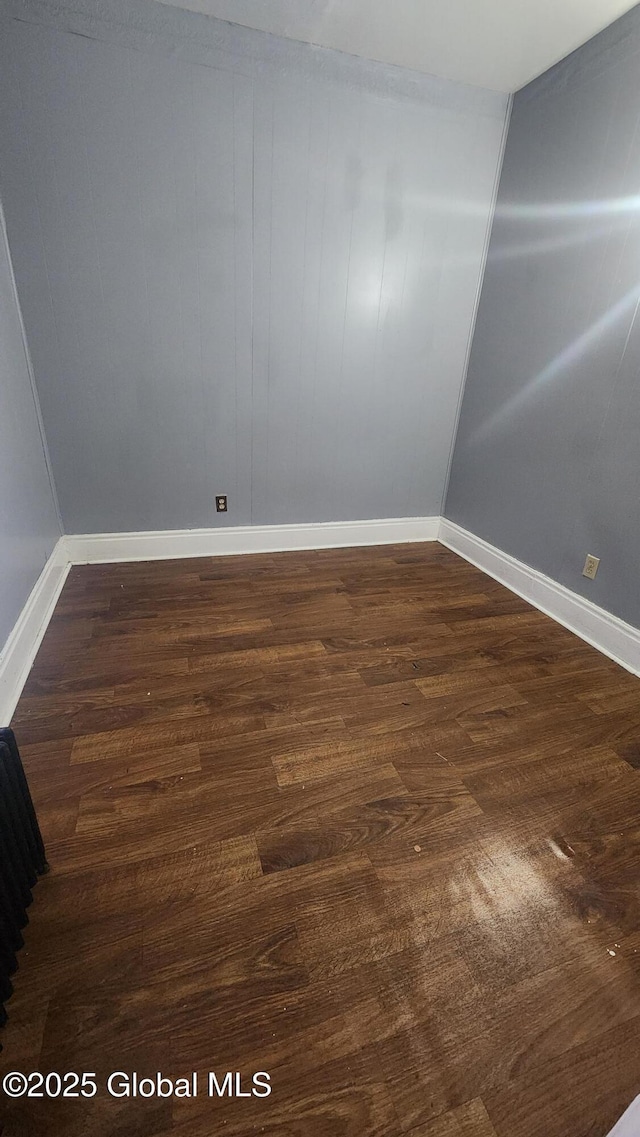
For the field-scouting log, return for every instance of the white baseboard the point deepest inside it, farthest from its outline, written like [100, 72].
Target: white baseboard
[19, 652]
[105, 548]
[611, 636]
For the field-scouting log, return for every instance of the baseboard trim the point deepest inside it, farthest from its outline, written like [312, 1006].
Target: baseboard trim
[19, 652]
[105, 548]
[597, 627]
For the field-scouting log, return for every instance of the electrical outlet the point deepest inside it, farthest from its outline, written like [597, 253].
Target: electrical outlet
[221, 503]
[591, 567]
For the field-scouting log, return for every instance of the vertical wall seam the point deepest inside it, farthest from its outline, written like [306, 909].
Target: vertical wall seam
[31, 373]
[476, 302]
[252, 422]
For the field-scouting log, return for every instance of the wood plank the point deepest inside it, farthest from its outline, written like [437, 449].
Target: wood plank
[357, 817]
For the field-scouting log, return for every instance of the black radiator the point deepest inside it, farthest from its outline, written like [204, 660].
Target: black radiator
[22, 859]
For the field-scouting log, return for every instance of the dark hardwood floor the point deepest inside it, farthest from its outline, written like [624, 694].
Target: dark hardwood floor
[358, 818]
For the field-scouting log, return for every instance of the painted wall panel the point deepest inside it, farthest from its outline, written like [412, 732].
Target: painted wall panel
[29, 525]
[546, 461]
[138, 290]
[246, 266]
[368, 251]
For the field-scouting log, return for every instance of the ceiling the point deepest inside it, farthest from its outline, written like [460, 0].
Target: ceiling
[500, 44]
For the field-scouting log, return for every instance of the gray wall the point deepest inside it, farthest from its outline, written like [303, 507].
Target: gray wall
[29, 525]
[246, 266]
[547, 457]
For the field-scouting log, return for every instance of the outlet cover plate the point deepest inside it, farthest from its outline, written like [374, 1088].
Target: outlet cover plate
[591, 566]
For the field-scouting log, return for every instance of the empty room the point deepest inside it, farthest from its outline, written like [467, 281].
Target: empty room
[319, 568]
